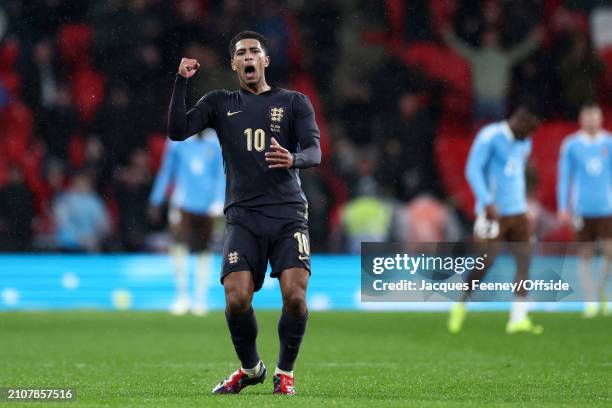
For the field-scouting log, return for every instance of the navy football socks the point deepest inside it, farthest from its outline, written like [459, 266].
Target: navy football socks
[243, 330]
[290, 332]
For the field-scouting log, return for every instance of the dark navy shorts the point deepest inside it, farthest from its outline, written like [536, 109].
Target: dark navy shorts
[253, 238]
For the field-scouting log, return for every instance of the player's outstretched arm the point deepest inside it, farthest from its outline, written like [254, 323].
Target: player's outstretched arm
[461, 47]
[182, 124]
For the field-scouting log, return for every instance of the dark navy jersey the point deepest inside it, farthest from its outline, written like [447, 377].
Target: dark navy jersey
[245, 124]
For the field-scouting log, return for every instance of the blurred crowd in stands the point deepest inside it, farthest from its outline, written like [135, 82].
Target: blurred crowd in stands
[400, 87]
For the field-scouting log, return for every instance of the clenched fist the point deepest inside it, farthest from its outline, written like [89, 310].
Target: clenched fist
[188, 67]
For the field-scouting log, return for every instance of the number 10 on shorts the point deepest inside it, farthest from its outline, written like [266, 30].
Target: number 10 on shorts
[303, 244]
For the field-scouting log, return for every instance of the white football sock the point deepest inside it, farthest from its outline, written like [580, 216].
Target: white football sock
[202, 278]
[180, 254]
[519, 309]
[586, 279]
[278, 371]
[606, 265]
[252, 372]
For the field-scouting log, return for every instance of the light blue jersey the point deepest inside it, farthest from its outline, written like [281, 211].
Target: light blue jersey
[584, 185]
[194, 168]
[496, 167]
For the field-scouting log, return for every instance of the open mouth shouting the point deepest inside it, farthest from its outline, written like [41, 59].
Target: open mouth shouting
[249, 72]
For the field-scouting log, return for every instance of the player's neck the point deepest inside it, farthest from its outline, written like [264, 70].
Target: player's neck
[592, 133]
[258, 88]
[515, 134]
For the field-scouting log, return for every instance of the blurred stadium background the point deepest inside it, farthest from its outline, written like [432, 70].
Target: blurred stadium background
[85, 85]
[400, 89]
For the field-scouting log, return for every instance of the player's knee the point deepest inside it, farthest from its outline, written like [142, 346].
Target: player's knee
[295, 302]
[238, 300]
[238, 305]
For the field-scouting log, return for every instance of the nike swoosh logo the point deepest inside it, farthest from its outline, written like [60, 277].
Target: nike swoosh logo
[303, 258]
[232, 113]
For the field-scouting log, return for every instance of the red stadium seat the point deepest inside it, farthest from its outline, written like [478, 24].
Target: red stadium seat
[76, 151]
[9, 53]
[16, 146]
[156, 144]
[442, 12]
[296, 50]
[607, 114]
[446, 66]
[605, 84]
[11, 81]
[87, 93]
[441, 63]
[606, 56]
[396, 14]
[75, 43]
[451, 150]
[3, 169]
[17, 123]
[31, 165]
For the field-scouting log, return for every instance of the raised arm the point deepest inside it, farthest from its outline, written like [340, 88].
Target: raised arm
[526, 47]
[460, 46]
[182, 123]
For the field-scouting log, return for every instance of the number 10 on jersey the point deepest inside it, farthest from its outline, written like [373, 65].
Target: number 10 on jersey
[255, 139]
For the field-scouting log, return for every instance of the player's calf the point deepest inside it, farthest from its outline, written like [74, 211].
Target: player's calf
[241, 323]
[291, 326]
[291, 331]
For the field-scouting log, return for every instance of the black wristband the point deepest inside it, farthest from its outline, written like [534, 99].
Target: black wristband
[293, 163]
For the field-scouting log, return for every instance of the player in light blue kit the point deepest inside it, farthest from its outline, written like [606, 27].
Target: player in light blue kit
[584, 193]
[496, 173]
[194, 170]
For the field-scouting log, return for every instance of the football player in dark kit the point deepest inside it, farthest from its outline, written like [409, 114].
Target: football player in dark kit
[266, 135]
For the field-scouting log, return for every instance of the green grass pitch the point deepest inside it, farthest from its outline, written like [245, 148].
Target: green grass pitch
[348, 359]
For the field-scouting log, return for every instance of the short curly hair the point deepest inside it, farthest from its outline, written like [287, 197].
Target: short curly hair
[247, 34]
